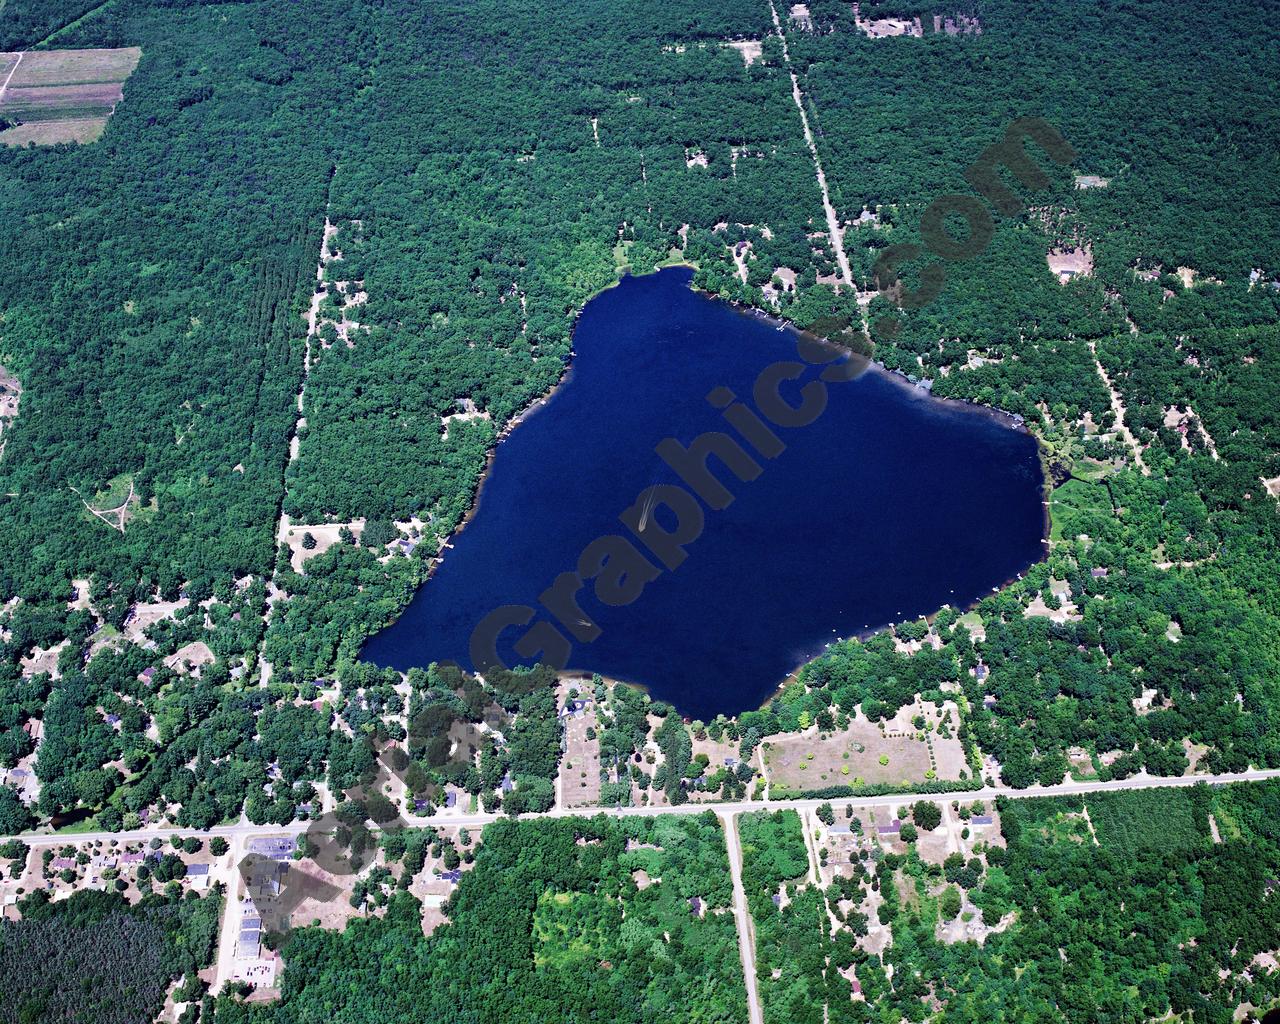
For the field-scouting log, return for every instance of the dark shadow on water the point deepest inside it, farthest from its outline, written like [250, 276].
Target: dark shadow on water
[889, 505]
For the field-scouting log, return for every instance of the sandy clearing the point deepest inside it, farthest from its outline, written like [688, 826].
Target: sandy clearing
[191, 658]
[1069, 263]
[469, 413]
[1087, 181]
[143, 616]
[1272, 486]
[10, 401]
[750, 49]
[325, 534]
[885, 28]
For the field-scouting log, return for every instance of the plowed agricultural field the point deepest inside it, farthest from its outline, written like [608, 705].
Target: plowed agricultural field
[49, 96]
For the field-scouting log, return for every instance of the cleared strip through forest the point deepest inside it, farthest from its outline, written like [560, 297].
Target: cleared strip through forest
[742, 914]
[833, 222]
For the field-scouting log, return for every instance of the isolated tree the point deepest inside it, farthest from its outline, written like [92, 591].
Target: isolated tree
[926, 814]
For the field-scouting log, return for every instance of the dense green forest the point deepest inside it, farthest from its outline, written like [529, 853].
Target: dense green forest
[1130, 913]
[95, 959]
[579, 920]
[487, 169]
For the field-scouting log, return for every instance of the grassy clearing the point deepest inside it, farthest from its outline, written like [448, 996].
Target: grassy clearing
[1145, 822]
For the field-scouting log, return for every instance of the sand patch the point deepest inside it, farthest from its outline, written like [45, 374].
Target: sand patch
[143, 616]
[1070, 263]
[884, 28]
[326, 536]
[1065, 612]
[750, 49]
[800, 17]
[1087, 181]
[786, 277]
[189, 660]
[43, 660]
[469, 412]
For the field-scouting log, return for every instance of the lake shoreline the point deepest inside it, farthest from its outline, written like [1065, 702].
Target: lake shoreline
[899, 380]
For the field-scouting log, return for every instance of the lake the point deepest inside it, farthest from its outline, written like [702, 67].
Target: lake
[887, 505]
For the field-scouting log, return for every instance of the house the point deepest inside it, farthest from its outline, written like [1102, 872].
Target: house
[730, 762]
[980, 671]
[840, 830]
[113, 719]
[420, 805]
[59, 863]
[452, 877]
[573, 709]
[198, 876]
[131, 858]
[695, 906]
[891, 829]
[451, 799]
[507, 785]
[1098, 573]
[146, 675]
[982, 819]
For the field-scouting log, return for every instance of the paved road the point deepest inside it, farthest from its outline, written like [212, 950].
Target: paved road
[480, 819]
[728, 811]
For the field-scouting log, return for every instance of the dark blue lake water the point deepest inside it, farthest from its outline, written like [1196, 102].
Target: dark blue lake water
[889, 505]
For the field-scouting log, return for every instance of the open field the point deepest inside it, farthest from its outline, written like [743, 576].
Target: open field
[864, 754]
[61, 95]
[69, 67]
[49, 133]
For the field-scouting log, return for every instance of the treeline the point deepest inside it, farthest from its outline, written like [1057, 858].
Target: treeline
[94, 958]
